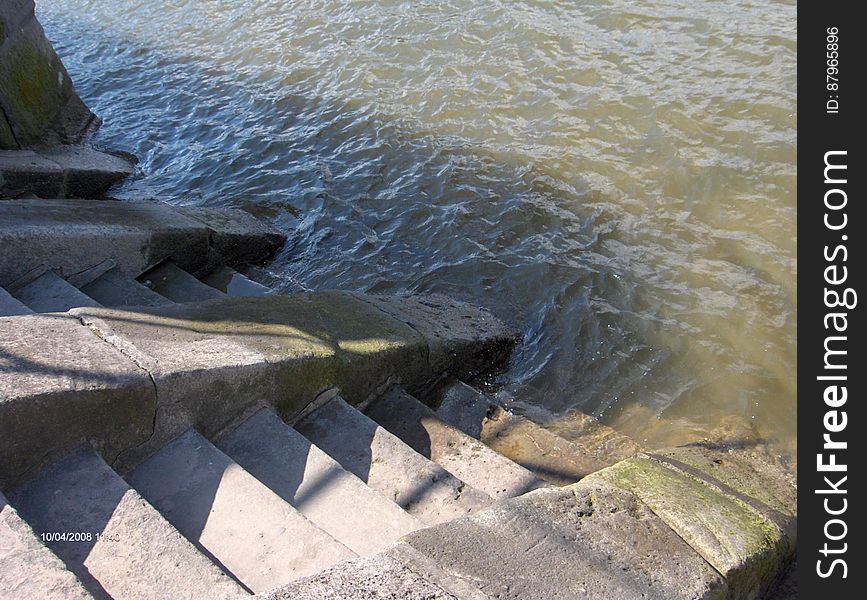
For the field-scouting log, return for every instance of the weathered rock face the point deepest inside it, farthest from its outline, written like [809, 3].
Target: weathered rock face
[38, 104]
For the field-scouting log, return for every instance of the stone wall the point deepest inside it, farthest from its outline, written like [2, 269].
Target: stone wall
[38, 104]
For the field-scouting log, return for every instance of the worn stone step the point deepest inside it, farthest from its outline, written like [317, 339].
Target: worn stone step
[590, 446]
[10, 306]
[63, 171]
[335, 500]
[73, 235]
[461, 455]
[51, 293]
[580, 541]
[27, 568]
[380, 459]
[747, 530]
[132, 383]
[114, 289]
[170, 281]
[232, 283]
[543, 452]
[236, 519]
[399, 573]
[128, 549]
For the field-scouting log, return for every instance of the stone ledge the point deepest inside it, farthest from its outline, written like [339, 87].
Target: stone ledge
[60, 386]
[131, 380]
[587, 540]
[71, 236]
[744, 542]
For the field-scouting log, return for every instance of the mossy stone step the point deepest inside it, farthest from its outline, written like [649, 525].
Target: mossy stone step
[738, 539]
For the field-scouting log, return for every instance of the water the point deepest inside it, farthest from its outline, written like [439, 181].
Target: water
[616, 179]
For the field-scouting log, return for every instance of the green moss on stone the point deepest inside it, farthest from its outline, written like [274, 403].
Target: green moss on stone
[736, 540]
[33, 86]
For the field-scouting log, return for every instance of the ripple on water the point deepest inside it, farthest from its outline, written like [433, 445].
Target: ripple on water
[615, 178]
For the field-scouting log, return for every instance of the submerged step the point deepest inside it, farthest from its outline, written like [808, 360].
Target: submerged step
[27, 568]
[252, 532]
[10, 306]
[114, 289]
[115, 542]
[232, 283]
[388, 465]
[51, 293]
[590, 446]
[335, 500]
[170, 281]
[543, 452]
[463, 456]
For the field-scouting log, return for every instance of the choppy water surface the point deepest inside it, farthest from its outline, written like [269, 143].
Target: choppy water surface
[615, 178]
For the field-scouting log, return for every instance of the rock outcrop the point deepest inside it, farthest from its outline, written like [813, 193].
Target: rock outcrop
[38, 104]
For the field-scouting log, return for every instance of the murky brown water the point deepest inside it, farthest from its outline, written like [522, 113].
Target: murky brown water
[615, 178]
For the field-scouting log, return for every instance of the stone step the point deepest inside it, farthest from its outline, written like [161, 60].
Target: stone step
[232, 283]
[131, 385]
[9, 306]
[71, 236]
[335, 500]
[386, 464]
[399, 573]
[114, 289]
[170, 281]
[591, 446]
[461, 455]
[128, 549]
[580, 541]
[63, 171]
[27, 568]
[51, 293]
[237, 520]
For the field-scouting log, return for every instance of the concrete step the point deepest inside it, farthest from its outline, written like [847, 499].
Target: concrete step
[27, 568]
[461, 455]
[63, 171]
[399, 573]
[170, 281]
[386, 464]
[114, 289]
[123, 548]
[71, 236]
[252, 532]
[9, 306]
[49, 292]
[335, 500]
[552, 457]
[131, 385]
[580, 541]
[232, 283]
[543, 452]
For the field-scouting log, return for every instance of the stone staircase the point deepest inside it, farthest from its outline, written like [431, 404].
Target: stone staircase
[45, 291]
[170, 428]
[389, 502]
[256, 508]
